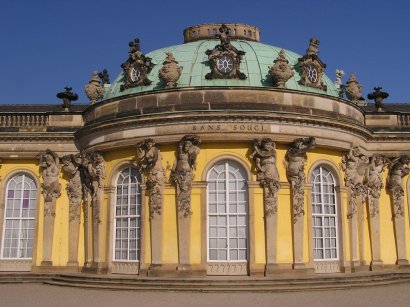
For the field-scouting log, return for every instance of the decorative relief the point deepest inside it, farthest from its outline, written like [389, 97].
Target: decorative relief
[398, 169]
[182, 172]
[49, 170]
[225, 59]
[264, 157]
[353, 90]
[281, 71]
[149, 161]
[295, 170]
[94, 89]
[170, 72]
[312, 68]
[373, 182]
[354, 164]
[136, 68]
[71, 166]
[125, 267]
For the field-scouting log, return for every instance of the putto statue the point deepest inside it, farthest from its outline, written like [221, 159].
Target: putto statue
[281, 71]
[354, 164]
[170, 72]
[264, 157]
[398, 169]
[295, 170]
[149, 161]
[373, 182]
[71, 167]
[50, 169]
[182, 171]
[94, 89]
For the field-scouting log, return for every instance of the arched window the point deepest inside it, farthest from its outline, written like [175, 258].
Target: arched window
[324, 216]
[127, 220]
[19, 216]
[227, 212]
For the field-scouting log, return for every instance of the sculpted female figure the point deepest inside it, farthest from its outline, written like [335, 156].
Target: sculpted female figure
[182, 171]
[149, 161]
[264, 156]
[50, 169]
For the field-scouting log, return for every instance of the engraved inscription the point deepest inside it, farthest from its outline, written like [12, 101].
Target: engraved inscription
[229, 127]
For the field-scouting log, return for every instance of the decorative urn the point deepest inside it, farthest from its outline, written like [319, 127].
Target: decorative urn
[281, 71]
[170, 72]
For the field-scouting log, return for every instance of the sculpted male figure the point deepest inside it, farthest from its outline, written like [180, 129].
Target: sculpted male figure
[264, 156]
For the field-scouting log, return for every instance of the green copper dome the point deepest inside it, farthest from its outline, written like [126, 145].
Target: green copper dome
[191, 56]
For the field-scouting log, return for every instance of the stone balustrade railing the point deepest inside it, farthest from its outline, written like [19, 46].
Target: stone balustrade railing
[403, 120]
[24, 120]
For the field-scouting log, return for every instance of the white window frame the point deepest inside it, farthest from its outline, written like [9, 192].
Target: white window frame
[128, 217]
[323, 215]
[240, 170]
[20, 218]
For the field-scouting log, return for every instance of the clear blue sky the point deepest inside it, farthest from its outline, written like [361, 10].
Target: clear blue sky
[46, 45]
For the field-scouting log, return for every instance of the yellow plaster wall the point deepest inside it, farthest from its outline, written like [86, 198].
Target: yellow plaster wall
[211, 152]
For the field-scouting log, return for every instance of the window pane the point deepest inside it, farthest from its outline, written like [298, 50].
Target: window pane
[127, 214]
[227, 208]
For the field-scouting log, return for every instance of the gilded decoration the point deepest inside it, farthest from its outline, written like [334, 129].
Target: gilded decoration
[295, 170]
[72, 168]
[50, 170]
[182, 171]
[264, 157]
[149, 161]
[311, 67]
[354, 164]
[170, 72]
[136, 68]
[94, 89]
[281, 71]
[225, 59]
[373, 182]
[398, 169]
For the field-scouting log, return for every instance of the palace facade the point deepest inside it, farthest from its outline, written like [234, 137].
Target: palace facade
[218, 156]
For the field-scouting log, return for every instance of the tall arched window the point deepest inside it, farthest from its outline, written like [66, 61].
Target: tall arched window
[227, 212]
[19, 216]
[127, 220]
[324, 216]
